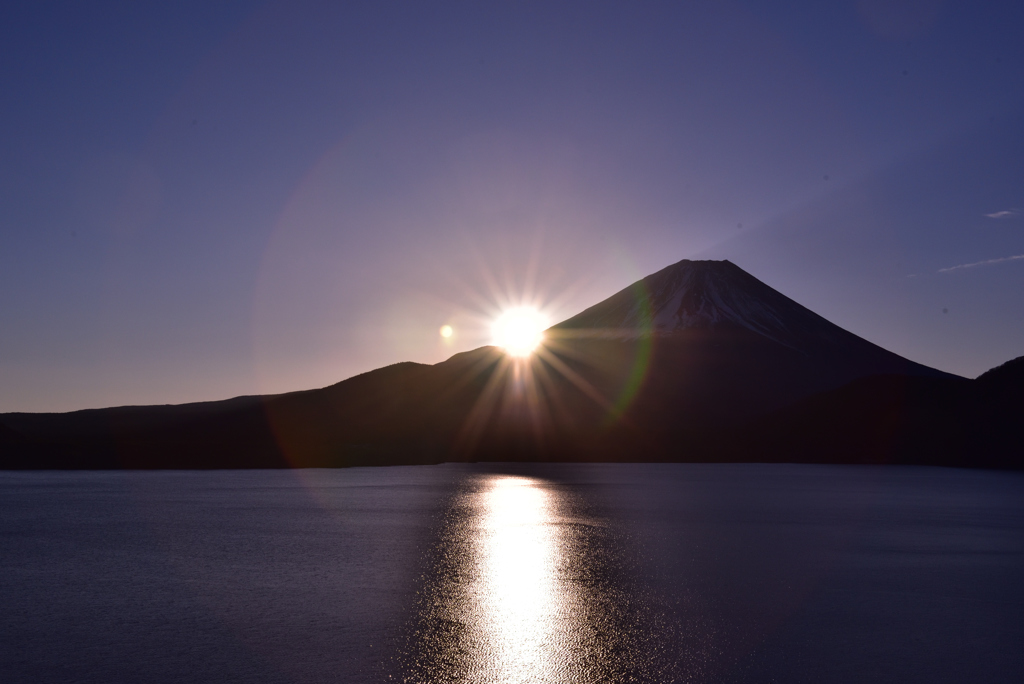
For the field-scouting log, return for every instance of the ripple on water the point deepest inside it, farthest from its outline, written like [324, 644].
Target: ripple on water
[529, 585]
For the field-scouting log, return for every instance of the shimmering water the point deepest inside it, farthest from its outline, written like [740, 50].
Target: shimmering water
[560, 573]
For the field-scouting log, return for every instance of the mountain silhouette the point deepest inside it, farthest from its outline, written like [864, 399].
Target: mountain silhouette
[697, 362]
[718, 346]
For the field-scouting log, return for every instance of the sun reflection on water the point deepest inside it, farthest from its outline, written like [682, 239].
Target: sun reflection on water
[527, 588]
[516, 597]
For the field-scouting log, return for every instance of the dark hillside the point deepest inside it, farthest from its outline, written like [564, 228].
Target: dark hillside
[698, 362]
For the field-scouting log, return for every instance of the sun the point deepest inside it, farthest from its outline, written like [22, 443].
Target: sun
[520, 330]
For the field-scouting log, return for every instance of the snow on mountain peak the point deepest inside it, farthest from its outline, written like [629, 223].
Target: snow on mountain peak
[701, 294]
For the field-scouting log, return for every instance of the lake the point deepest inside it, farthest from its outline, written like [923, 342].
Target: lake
[514, 573]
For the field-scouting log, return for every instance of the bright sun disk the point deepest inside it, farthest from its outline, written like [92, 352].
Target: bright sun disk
[520, 330]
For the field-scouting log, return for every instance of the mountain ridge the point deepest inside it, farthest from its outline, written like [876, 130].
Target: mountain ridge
[699, 361]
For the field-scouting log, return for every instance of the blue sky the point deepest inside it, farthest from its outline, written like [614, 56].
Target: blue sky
[201, 200]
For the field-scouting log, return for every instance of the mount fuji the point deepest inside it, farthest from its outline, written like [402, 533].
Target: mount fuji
[722, 347]
[700, 361]
[714, 294]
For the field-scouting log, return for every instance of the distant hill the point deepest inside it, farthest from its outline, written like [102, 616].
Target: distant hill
[697, 362]
[902, 419]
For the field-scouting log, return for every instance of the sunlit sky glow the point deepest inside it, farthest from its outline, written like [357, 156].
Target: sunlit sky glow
[202, 200]
[519, 330]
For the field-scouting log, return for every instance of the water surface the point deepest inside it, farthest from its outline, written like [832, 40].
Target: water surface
[558, 573]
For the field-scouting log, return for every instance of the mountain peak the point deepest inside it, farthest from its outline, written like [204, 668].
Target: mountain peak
[701, 294]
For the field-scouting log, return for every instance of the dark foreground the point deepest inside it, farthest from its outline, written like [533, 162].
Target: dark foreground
[514, 573]
[471, 409]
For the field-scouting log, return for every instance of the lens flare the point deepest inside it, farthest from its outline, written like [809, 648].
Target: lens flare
[520, 330]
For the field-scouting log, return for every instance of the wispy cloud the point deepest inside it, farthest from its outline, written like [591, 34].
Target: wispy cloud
[987, 262]
[1005, 214]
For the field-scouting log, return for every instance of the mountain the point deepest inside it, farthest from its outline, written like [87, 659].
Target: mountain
[704, 295]
[699, 361]
[902, 419]
[716, 346]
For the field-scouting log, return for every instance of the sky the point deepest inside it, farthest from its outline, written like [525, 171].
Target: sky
[203, 200]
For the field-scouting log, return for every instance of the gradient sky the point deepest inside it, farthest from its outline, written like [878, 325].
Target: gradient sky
[201, 200]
